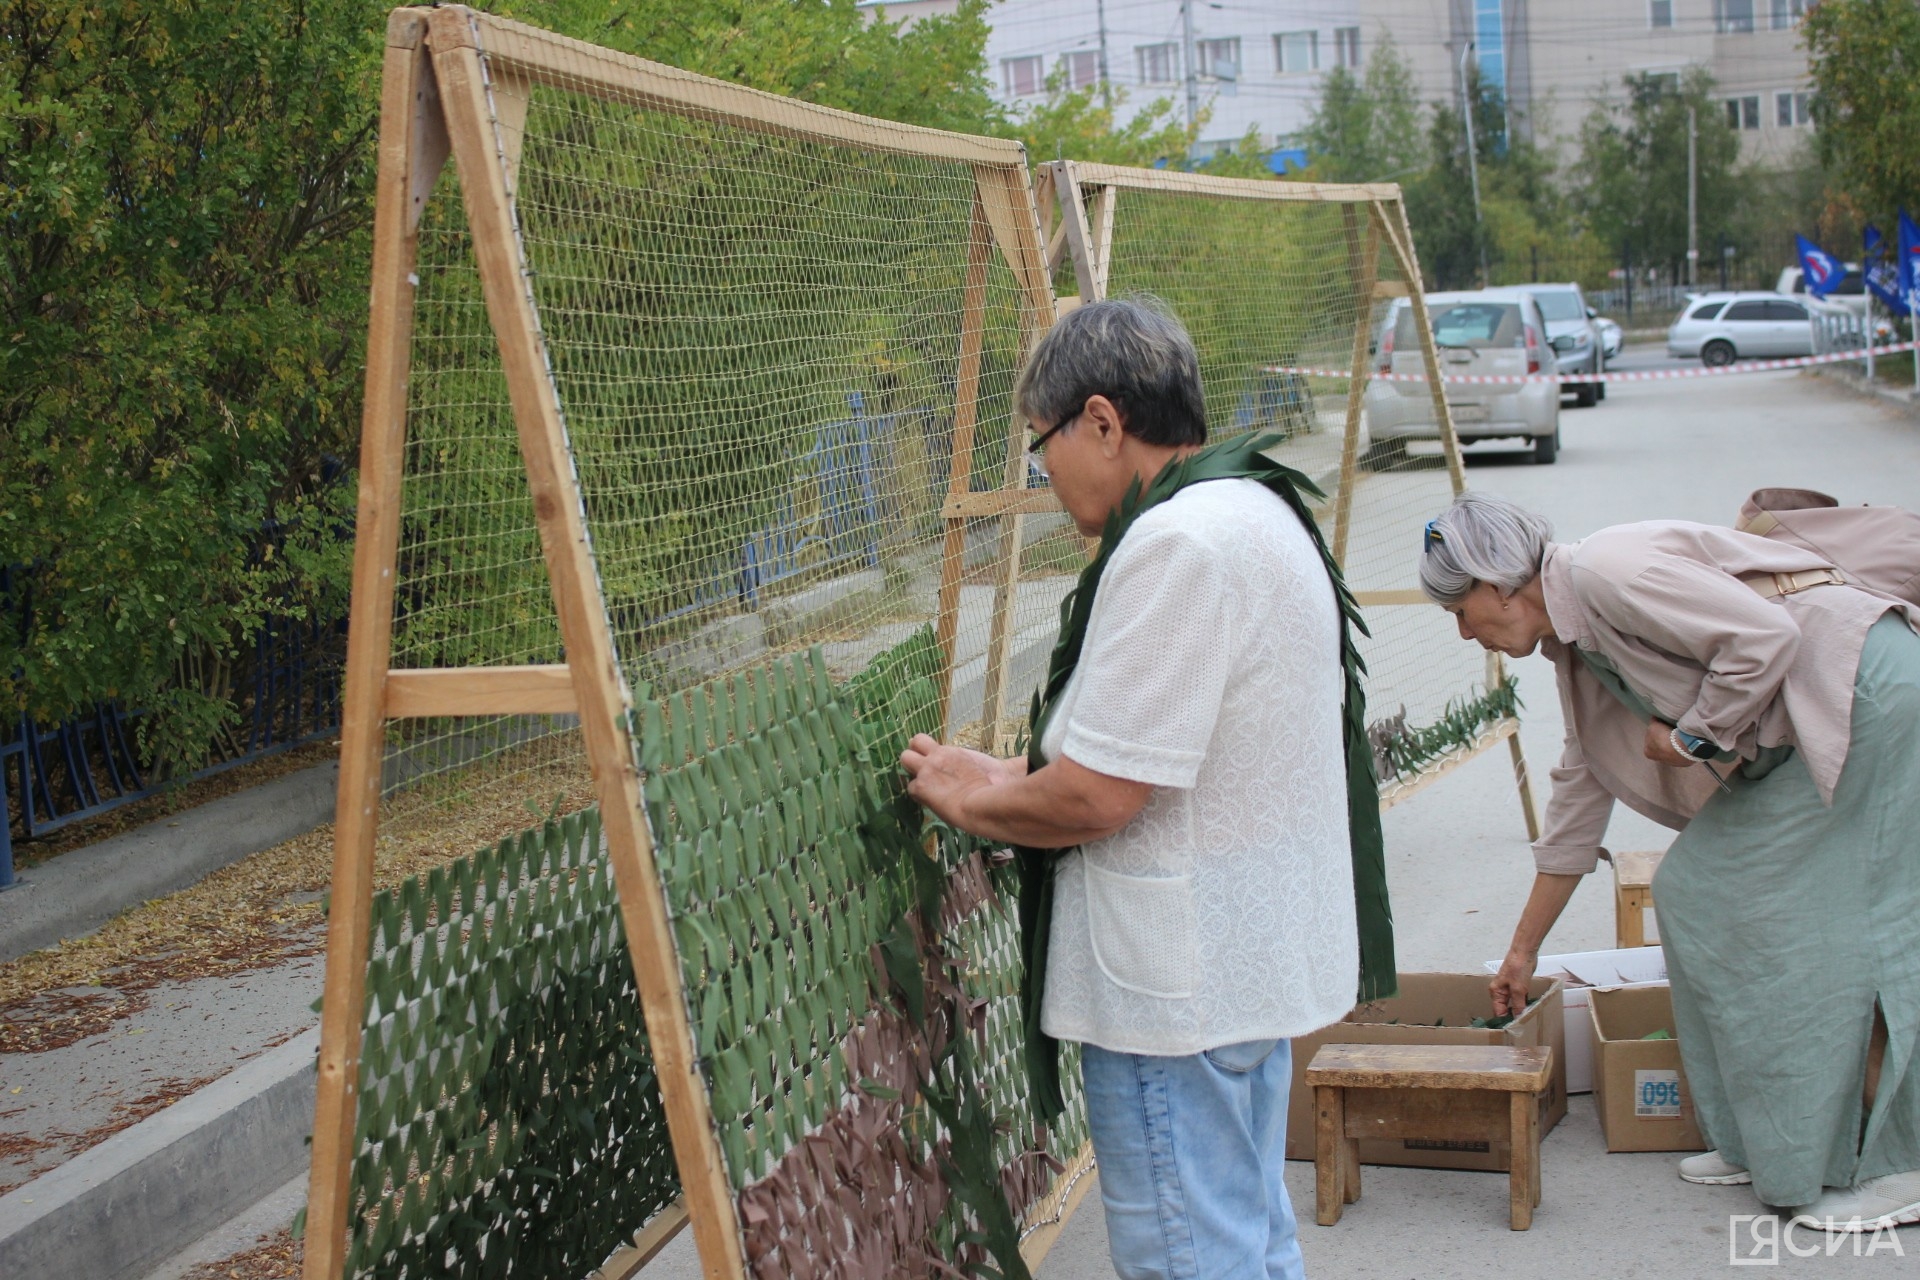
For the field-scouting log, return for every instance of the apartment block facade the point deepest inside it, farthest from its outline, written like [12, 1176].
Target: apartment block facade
[1261, 65]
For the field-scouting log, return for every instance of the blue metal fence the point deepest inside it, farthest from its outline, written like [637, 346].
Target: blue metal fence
[288, 693]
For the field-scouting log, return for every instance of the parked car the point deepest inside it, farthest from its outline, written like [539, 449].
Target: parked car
[1720, 328]
[1575, 339]
[1486, 331]
[1611, 340]
[1850, 293]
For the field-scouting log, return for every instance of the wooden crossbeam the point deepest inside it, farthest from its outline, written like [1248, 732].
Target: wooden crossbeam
[1000, 502]
[480, 691]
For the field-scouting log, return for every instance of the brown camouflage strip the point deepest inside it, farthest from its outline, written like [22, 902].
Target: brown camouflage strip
[859, 1199]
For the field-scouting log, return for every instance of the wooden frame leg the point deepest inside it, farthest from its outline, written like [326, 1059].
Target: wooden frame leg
[1523, 1178]
[1352, 1166]
[1331, 1178]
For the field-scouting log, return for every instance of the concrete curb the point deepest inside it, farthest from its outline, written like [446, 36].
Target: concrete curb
[1856, 381]
[148, 1192]
[78, 892]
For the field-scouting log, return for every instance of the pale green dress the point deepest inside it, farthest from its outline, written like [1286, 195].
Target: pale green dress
[1784, 920]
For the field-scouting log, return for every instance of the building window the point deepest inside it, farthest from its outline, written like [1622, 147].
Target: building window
[1346, 47]
[1791, 110]
[1490, 42]
[1219, 59]
[1743, 113]
[1732, 16]
[1082, 67]
[1659, 13]
[1663, 82]
[1159, 63]
[1787, 13]
[1024, 76]
[1297, 51]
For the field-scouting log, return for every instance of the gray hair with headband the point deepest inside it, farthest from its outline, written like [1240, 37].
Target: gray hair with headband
[1481, 538]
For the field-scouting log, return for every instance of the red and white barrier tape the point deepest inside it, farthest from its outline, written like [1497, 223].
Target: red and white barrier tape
[1649, 375]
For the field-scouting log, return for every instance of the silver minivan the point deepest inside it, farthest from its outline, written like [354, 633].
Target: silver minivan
[1483, 332]
[1719, 328]
[1574, 333]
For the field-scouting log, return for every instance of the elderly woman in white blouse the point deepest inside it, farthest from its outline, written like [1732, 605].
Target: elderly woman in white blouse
[1741, 690]
[1193, 787]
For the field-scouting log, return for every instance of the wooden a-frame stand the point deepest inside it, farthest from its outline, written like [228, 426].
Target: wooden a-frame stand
[457, 84]
[1087, 197]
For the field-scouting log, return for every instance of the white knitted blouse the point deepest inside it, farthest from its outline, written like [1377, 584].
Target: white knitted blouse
[1224, 911]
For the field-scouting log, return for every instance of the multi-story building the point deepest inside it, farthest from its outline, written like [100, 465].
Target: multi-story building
[1261, 65]
[1553, 59]
[1240, 66]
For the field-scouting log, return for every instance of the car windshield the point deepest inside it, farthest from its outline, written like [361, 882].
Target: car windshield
[1560, 304]
[1463, 324]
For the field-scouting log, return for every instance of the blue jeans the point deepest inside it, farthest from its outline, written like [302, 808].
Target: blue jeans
[1191, 1153]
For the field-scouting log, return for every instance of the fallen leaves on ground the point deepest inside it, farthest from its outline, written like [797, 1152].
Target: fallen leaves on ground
[274, 1257]
[265, 909]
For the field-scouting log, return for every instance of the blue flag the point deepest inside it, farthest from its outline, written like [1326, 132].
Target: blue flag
[1882, 276]
[1818, 268]
[1909, 259]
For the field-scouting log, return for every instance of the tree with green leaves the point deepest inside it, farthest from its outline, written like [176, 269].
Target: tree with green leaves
[1519, 206]
[1864, 56]
[1367, 128]
[1081, 124]
[187, 188]
[1631, 175]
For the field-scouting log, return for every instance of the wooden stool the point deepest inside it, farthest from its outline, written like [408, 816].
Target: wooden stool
[1370, 1091]
[1633, 895]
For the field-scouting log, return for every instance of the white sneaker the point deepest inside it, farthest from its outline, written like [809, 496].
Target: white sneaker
[1712, 1169]
[1873, 1205]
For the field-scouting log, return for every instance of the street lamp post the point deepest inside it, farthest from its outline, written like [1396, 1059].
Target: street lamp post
[1473, 160]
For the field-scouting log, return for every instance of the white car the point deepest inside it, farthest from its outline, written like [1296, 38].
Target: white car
[1574, 334]
[1611, 338]
[1850, 293]
[1719, 328]
[1486, 331]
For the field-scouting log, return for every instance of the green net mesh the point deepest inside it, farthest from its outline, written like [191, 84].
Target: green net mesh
[1273, 292]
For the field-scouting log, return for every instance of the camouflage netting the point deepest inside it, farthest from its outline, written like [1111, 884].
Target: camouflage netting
[859, 1034]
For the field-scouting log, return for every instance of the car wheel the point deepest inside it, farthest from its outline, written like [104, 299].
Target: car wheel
[1546, 448]
[1384, 455]
[1585, 394]
[1717, 354]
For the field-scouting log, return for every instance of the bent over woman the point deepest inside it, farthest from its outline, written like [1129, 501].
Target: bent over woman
[1744, 692]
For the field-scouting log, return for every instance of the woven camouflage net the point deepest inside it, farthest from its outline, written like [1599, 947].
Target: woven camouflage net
[828, 996]
[1274, 281]
[508, 1106]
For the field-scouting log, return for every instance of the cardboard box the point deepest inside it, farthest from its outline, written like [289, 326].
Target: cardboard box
[1453, 999]
[1640, 1088]
[1580, 972]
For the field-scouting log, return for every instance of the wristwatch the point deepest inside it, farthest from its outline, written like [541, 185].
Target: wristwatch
[1688, 745]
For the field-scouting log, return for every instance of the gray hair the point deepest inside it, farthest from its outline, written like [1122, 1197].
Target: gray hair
[1132, 351]
[1481, 538]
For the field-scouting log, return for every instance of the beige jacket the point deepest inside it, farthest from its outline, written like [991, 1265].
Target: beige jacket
[1668, 603]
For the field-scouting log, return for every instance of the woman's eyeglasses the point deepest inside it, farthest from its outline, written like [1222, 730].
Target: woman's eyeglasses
[1039, 442]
